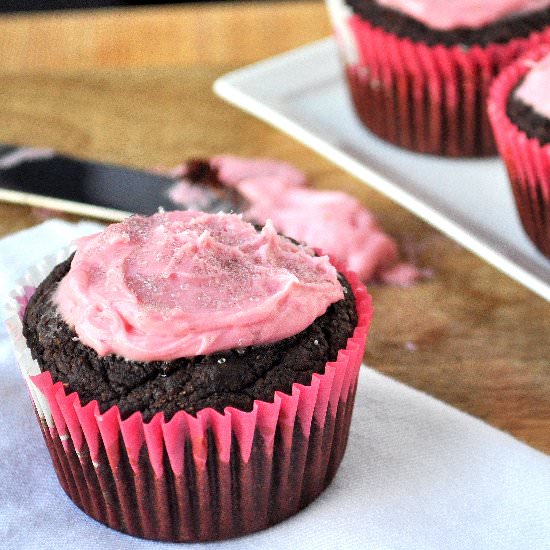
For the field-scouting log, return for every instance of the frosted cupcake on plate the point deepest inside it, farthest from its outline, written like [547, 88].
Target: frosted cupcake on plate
[519, 109]
[419, 71]
[193, 375]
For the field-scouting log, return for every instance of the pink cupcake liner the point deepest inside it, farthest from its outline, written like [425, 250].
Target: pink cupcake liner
[209, 477]
[429, 99]
[527, 161]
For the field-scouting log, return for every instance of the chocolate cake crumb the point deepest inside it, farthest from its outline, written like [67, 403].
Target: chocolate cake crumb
[223, 198]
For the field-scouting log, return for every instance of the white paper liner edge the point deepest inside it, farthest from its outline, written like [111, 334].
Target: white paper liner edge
[28, 366]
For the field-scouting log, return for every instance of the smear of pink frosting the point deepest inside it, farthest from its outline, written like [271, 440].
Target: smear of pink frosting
[181, 284]
[329, 220]
[185, 192]
[232, 170]
[452, 14]
[535, 88]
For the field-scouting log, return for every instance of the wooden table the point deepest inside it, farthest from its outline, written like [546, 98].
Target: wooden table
[133, 86]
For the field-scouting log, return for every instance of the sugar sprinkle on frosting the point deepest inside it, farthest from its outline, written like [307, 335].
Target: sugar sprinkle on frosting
[181, 284]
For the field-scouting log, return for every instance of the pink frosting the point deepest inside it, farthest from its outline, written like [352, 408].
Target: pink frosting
[535, 88]
[451, 14]
[232, 170]
[185, 192]
[331, 221]
[181, 284]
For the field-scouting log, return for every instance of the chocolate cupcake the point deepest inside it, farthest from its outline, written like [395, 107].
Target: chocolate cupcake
[194, 376]
[519, 110]
[419, 72]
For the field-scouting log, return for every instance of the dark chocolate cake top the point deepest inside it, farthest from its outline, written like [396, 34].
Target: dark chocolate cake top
[232, 378]
[528, 120]
[403, 25]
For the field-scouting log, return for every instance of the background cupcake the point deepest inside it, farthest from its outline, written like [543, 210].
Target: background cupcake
[419, 72]
[519, 110]
[184, 389]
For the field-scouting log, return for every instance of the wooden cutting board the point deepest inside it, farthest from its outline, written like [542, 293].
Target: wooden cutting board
[133, 87]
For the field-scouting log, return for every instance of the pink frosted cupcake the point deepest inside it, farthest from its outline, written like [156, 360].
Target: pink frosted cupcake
[194, 377]
[419, 71]
[519, 110]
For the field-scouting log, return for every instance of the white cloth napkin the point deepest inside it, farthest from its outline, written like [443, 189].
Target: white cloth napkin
[417, 473]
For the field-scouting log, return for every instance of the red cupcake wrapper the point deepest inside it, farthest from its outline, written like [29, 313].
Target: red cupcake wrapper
[208, 477]
[429, 99]
[527, 161]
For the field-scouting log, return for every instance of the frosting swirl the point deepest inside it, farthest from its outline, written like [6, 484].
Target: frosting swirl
[181, 284]
[453, 14]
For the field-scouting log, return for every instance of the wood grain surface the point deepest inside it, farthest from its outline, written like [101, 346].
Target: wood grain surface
[133, 86]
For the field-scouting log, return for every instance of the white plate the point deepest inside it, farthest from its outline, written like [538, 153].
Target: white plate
[303, 93]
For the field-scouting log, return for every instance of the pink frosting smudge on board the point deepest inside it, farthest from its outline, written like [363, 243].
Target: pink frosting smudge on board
[331, 221]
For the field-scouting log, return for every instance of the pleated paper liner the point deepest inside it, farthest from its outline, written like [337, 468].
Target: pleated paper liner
[527, 161]
[209, 477]
[429, 99]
